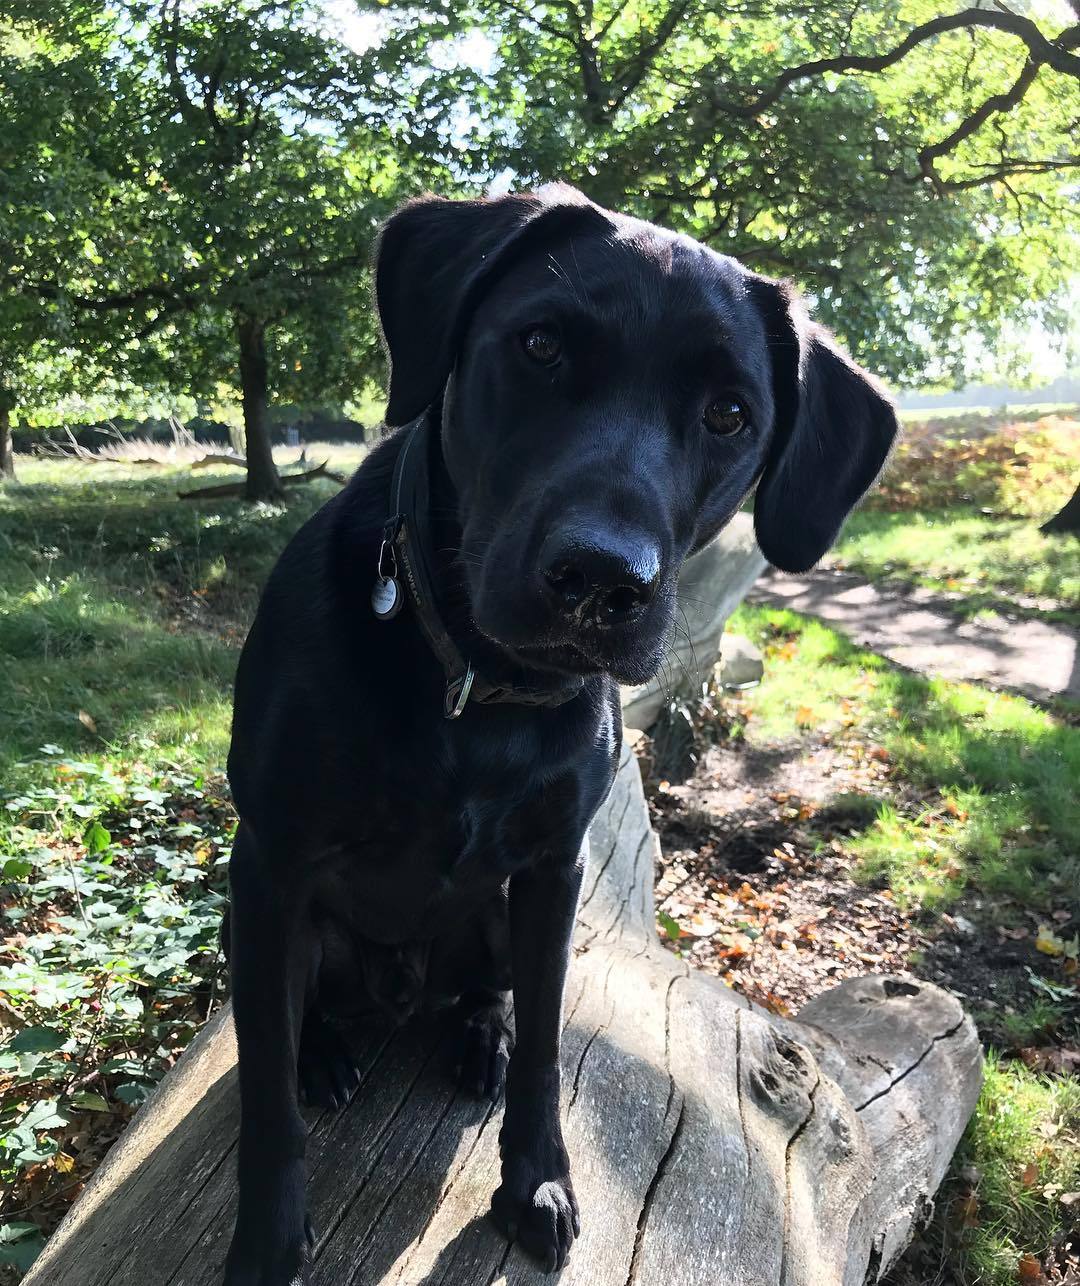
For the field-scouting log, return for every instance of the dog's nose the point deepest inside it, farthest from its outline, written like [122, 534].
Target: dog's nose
[605, 575]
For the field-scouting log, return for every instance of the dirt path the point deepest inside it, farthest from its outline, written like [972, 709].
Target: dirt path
[1040, 659]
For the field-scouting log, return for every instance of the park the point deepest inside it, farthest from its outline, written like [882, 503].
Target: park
[848, 792]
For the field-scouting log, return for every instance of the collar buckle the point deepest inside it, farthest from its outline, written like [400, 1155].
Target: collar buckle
[457, 692]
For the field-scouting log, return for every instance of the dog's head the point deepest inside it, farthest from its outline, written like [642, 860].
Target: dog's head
[611, 392]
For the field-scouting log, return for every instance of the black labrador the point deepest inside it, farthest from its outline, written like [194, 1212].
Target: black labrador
[427, 711]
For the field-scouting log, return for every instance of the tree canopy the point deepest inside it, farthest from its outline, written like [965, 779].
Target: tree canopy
[190, 188]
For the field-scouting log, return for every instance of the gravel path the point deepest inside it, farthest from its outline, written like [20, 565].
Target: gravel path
[1040, 659]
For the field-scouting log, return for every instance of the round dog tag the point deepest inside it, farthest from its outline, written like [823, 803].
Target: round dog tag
[385, 598]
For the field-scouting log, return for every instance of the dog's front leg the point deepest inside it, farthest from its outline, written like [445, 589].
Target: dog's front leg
[535, 1203]
[270, 953]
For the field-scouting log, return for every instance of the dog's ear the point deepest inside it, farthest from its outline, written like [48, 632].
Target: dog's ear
[433, 260]
[835, 427]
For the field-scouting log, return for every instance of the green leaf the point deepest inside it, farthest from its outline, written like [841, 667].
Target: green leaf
[87, 1102]
[20, 1244]
[133, 1093]
[36, 1040]
[96, 838]
[670, 925]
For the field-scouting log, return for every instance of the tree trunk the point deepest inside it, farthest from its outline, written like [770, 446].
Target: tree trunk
[7, 454]
[263, 482]
[1067, 519]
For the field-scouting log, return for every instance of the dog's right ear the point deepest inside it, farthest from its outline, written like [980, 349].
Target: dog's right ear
[434, 259]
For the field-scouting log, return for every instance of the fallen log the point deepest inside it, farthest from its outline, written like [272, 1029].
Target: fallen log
[222, 489]
[712, 1142]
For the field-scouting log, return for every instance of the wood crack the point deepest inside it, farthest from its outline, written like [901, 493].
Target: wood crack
[589, 1043]
[650, 1193]
[613, 848]
[361, 1256]
[796, 1136]
[917, 1063]
[740, 1100]
[383, 1136]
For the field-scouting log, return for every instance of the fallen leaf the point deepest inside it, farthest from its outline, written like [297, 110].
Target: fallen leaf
[87, 721]
[1030, 1176]
[1030, 1270]
[1048, 942]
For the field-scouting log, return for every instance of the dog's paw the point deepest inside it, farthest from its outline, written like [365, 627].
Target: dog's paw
[326, 1071]
[270, 1263]
[543, 1221]
[483, 1053]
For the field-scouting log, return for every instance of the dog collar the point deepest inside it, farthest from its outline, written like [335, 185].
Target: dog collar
[403, 570]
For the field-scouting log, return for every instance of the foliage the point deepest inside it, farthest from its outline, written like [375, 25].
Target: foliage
[920, 209]
[176, 169]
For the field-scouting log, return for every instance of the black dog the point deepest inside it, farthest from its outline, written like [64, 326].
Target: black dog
[427, 715]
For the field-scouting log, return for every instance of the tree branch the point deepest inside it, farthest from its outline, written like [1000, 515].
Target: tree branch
[1043, 52]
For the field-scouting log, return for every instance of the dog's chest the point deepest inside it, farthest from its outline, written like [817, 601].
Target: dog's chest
[415, 862]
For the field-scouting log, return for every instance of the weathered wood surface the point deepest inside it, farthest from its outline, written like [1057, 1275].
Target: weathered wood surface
[711, 1143]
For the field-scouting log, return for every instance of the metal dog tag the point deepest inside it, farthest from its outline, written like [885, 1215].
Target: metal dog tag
[386, 598]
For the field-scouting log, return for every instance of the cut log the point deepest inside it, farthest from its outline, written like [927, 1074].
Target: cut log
[712, 1143]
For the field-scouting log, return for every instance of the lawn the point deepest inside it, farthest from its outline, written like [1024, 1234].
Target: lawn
[958, 512]
[122, 610]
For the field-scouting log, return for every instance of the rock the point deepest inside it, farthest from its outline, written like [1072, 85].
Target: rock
[741, 662]
[711, 585]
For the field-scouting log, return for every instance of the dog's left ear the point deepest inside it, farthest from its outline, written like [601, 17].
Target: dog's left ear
[434, 259]
[835, 427]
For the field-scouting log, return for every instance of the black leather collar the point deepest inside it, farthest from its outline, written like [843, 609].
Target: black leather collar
[404, 569]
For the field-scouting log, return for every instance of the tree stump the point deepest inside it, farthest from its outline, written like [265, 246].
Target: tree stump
[712, 1143]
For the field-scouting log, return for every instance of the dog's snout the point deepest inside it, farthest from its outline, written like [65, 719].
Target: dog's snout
[604, 575]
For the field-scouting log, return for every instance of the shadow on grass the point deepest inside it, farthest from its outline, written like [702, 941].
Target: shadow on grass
[100, 584]
[995, 775]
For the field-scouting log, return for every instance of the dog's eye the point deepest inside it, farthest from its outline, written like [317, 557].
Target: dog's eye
[542, 345]
[724, 417]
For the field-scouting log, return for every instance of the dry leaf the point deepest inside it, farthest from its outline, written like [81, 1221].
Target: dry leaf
[1030, 1176]
[1030, 1270]
[1048, 942]
[87, 721]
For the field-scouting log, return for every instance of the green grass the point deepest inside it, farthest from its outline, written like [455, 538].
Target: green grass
[960, 515]
[996, 774]
[984, 561]
[1019, 1157]
[122, 610]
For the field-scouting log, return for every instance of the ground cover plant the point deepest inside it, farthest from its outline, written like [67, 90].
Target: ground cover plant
[958, 512]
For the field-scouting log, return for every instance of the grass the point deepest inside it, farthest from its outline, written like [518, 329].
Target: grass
[960, 515]
[1019, 1157]
[122, 610]
[983, 811]
[994, 775]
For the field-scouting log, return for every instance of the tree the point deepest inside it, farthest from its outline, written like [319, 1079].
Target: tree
[245, 212]
[911, 167]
